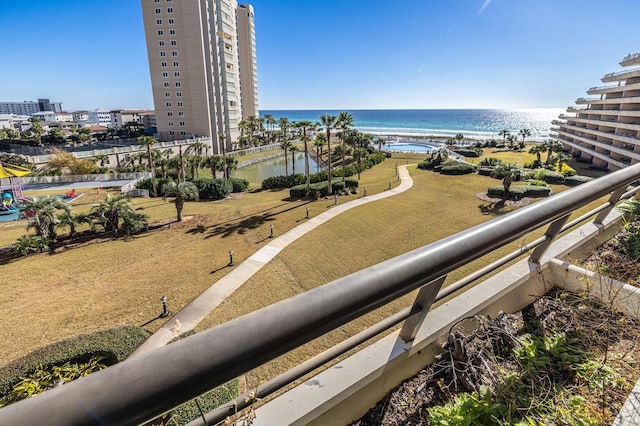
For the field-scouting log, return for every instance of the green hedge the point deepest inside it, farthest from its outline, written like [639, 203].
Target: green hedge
[467, 152]
[239, 185]
[115, 345]
[576, 180]
[213, 189]
[279, 182]
[520, 191]
[485, 171]
[208, 402]
[490, 161]
[553, 177]
[319, 189]
[146, 184]
[457, 169]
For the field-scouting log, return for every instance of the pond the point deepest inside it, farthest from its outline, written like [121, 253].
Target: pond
[258, 172]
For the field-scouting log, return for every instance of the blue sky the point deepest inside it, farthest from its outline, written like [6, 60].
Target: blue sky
[336, 54]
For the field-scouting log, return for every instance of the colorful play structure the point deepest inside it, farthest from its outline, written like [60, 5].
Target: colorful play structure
[11, 196]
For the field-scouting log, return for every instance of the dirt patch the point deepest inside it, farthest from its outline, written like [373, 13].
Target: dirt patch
[510, 203]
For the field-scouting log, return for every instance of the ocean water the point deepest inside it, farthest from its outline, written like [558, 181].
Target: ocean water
[472, 123]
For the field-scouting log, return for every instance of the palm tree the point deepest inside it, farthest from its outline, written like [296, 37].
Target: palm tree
[215, 163]
[329, 122]
[116, 213]
[524, 133]
[304, 125]
[45, 219]
[149, 141]
[537, 149]
[509, 171]
[504, 133]
[230, 163]
[293, 149]
[552, 146]
[283, 122]
[321, 140]
[459, 137]
[225, 172]
[182, 192]
[359, 154]
[562, 158]
[286, 146]
[344, 121]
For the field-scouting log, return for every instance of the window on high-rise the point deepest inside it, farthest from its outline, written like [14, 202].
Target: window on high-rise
[161, 43]
[174, 53]
[181, 124]
[165, 75]
[166, 84]
[160, 32]
[168, 104]
[169, 10]
[176, 63]
[171, 21]
[176, 74]
[170, 124]
[159, 21]
[158, 11]
[172, 32]
[163, 64]
[162, 53]
[174, 43]
[178, 84]
[167, 94]
[180, 104]
[178, 94]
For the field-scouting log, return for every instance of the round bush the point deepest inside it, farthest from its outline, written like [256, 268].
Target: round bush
[213, 189]
[239, 185]
[485, 171]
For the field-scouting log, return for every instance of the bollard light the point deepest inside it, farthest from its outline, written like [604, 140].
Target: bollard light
[335, 199]
[365, 191]
[271, 235]
[231, 258]
[307, 212]
[389, 184]
[165, 313]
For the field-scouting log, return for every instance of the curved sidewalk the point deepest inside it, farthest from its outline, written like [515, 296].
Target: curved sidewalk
[191, 314]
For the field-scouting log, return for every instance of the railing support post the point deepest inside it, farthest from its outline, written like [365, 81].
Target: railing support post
[420, 308]
[615, 197]
[553, 230]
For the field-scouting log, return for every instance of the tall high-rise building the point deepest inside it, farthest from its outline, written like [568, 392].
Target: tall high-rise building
[203, 68]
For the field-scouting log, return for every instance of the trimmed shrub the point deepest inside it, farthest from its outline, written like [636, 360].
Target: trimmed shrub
[239, 185]
[490, 161]
[457, 169]
[569, 172]
[467, 152]
[213, 189]
[520, 191]
[576, 180]
[279, 182]
[317, 190]
[553, 177]
[146, 184]
[485, 171]
[536, 182]
[114, 345]
[376, 158]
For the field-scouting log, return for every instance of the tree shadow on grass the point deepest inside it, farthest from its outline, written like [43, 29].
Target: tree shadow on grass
[494, 209]
[243, 224]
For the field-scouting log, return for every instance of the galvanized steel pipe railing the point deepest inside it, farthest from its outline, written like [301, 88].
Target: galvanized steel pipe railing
[142, 388]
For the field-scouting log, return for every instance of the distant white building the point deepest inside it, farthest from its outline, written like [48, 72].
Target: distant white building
[100, 116]
[121, 117]
[12, 121]
[64, 117]
[80, 115]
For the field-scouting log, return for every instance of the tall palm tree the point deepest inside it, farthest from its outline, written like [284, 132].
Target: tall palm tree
[524, 133]
[344, 121]
[537, 149]
[359, 154]
[215, 163]
[182, 192]
[286, 146]
[293, 149]
[504, 133]
[225, 173]
[552, 146]
[321, 140]
[148, 142]
[562, 158]
[329, 122]
[509, 171]
[459, 137]
[45, 220]
[283, 122]
[303, 125]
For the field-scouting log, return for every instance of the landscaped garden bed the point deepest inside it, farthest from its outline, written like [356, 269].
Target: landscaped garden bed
[565, 359]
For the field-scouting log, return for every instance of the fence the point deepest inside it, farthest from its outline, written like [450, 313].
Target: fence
[142, 388]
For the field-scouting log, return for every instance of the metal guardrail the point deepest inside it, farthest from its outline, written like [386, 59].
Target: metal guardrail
[145, 387]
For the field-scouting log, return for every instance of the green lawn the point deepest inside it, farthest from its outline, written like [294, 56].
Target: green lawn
[52, 297]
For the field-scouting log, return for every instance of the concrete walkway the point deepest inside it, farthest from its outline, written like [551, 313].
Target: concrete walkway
[191, 315]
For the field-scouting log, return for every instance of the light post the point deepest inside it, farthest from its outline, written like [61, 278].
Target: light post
[271, 235]
[165, 313]
[231, 258]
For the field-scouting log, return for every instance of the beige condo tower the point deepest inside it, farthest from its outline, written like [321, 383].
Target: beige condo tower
[202, 59]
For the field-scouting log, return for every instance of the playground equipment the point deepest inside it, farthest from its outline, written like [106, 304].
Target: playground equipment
[11, 194]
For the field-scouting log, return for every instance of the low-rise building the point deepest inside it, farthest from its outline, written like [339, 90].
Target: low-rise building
[605, 130]
[123, 116]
